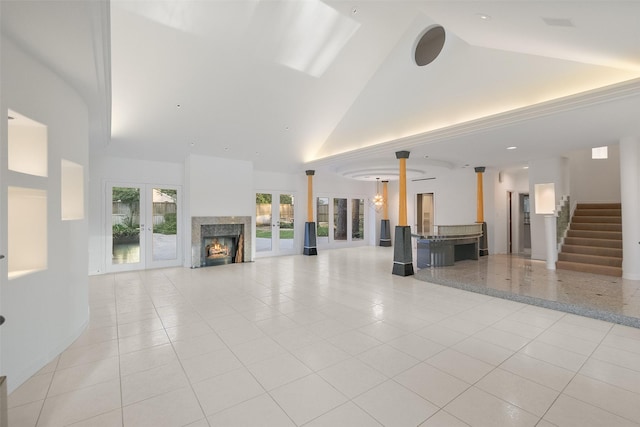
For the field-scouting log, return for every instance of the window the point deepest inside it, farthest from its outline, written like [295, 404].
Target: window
[339, 219]
[357, 219]
[322, 218]
[598, 153]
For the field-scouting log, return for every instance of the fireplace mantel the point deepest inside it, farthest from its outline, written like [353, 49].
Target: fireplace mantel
[196, 234]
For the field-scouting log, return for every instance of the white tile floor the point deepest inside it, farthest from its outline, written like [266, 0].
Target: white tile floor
[332, 340]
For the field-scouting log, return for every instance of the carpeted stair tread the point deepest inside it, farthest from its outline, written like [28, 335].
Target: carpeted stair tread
[597, 212]
[597, 219]
[596, 227]
[590, 268]
[591, 234]
[590, 259]
[604, 243]
[592, 250]
[599, 206]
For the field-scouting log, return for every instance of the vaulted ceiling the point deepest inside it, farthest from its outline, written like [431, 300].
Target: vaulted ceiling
[333, 85]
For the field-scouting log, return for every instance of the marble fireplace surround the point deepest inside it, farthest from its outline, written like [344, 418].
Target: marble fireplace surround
[196, 234]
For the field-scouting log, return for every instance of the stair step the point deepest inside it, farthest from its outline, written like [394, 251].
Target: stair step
[599, 206]
[590, 259]
[597, 212]
[596, 227]
[592, 250]
[590, 234]
[590, 268]
[597, 219]
[602, 243]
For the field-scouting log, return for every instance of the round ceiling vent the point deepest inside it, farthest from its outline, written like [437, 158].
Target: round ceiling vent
[429, 45]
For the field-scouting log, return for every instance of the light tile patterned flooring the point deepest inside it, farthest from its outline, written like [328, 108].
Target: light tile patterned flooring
[332, 340]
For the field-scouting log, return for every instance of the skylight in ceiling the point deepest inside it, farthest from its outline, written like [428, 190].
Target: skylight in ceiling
[311, 35]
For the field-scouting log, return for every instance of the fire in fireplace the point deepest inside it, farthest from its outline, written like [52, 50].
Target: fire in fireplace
[222, 244]
[220, 250]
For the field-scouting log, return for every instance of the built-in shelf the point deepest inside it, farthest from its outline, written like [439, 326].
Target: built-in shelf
[27, 145]
[72, 190]
[27, 231]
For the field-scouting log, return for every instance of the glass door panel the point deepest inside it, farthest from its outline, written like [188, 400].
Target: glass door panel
[126, 245]
[264, 224]
[339, 219]
[424, 214]
[357, 219]
[285, 236]
[164, 224]
[164, 229]
[322, 219]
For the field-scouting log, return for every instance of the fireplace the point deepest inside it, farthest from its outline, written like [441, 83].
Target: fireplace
[220, 240]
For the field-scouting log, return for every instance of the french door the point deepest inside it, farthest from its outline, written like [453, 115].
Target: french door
[275, 231]
[143, 226]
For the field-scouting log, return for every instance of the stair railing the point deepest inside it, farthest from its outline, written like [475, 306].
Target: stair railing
[563, 219]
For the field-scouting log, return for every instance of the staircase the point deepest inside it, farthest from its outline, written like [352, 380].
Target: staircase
[594, 240]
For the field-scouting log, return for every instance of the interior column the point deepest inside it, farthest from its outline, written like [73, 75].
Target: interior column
[310, 247]
[402, 254]
[484, 242]
[385, 228]
[630, 199]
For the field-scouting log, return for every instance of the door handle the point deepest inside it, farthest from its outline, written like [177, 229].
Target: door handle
[1, 256]
[2, 319]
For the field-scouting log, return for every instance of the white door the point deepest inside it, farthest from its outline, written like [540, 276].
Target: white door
[143, 226]
[275, 231]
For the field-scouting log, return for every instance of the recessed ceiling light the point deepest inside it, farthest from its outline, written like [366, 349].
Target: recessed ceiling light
[354, 10]
[286, 128]
[178, 105]
[511, 148]
[525, 167]
[483, 16]
[426, 156]
[193, 144]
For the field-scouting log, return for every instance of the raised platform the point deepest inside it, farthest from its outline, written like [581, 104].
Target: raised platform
[528, 281]
[450, 243]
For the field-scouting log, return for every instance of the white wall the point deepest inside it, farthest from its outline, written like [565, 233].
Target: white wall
[219, 187]
[45, 310]
[554, 170]
[107, 169]
[630, 189]
[454, 198]
[592, 180]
